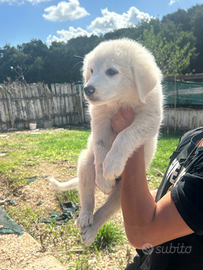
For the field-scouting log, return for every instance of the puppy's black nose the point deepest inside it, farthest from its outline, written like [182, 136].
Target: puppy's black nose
[89, 90]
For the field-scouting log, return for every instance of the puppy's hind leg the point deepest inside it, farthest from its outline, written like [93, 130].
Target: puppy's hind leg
[86, 174]
[103, 214]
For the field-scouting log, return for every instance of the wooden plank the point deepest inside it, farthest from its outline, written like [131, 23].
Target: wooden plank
[2, 112]
[58, 92]
[53, 89]
[10, 111]
[66, 103]
[24, 106]
[47, 104]
[63, 104]
[54, 100]
[70, 103]
[18, 104]
[32, 113]
[41, 89]
[37, 100]
[6, 112]
[1, 91]
[71, 106]
[12, 90]
[40, 103]
[69, 88]
[33, 103]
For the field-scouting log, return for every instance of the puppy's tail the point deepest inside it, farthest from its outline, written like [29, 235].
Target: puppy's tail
[71, 184]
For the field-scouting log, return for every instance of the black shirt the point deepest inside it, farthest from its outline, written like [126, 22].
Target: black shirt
[185, 171]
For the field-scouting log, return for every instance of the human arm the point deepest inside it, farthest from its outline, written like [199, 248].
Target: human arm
[153, 193]
[145, 220]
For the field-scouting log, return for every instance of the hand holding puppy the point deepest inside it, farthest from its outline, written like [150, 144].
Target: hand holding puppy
[122, 119]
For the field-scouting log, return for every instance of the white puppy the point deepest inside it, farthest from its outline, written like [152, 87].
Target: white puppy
[117, 74]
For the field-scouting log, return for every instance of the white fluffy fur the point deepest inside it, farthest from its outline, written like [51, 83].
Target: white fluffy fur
[138, 85]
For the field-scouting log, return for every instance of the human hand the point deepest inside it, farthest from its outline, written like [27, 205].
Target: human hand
[122, 119]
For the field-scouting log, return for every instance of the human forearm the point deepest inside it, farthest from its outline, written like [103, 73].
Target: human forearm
[137, 202]
[145, 220]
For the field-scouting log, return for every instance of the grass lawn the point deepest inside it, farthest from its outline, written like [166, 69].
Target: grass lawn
[42, 153]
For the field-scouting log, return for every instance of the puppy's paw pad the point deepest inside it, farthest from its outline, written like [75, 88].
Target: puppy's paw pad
[85, 219]
[112, 169]
[105, 186]
[88, 235]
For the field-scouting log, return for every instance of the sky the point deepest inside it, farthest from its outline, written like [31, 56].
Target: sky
[55, 20]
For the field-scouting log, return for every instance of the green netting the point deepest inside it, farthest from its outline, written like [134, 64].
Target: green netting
[7, 225]
[183, 94]
[180, 93]
[69, 209]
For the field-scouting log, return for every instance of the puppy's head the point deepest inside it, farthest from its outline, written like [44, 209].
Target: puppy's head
[119, 70]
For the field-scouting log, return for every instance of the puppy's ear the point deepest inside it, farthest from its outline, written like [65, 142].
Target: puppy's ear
[145, 81]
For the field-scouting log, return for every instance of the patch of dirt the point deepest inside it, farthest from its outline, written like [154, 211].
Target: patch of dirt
[23, 252]
[41, 190]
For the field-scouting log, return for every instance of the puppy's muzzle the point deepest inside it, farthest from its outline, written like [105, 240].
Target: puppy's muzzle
[89, 90]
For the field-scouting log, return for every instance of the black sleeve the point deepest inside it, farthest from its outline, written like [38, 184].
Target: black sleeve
[187, 195]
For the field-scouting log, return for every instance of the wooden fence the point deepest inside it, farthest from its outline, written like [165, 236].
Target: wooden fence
[63, 104]
[59, 105]
[182, 119]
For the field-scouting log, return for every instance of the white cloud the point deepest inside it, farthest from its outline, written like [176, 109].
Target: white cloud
[20, 2]
[172, 2]
[65, 35]
[108, 22]
[65, 11]
[112, 21]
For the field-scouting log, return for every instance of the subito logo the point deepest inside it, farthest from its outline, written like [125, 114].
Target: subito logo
[147, 249]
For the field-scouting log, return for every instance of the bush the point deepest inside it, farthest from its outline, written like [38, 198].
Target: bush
[108, 236]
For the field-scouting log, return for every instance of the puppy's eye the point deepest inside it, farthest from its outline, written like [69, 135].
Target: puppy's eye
[111, 72]
[91, 70]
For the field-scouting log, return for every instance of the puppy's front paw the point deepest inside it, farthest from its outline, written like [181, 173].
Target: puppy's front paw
[105, 186]
[85, 219]
[112, 168]
[88, 234]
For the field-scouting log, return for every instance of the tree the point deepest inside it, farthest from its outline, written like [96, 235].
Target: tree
[180, 17]
[173, 57]
[191, 20]
[12, 63]
[36, 51]
[197, 28]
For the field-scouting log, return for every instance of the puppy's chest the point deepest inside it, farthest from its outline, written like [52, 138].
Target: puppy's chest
[102, 112]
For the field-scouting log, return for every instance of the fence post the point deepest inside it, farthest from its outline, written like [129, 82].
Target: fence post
[10, 113]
